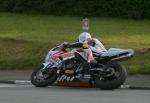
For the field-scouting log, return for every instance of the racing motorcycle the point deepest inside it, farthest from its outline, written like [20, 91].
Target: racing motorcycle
[70, 65]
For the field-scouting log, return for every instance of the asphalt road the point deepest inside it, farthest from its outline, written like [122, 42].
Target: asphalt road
[11, 93]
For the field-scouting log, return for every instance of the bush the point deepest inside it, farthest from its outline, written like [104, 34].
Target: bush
[136, 9]
[6, 5]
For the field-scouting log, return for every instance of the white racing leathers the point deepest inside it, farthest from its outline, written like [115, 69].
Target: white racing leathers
[98, 48]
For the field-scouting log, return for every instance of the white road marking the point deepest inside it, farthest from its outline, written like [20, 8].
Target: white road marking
[14, 85]
[23, 82]
[7, 85]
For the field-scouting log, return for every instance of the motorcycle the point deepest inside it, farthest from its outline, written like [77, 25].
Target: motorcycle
[70, 65]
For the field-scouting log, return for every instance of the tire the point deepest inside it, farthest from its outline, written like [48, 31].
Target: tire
[112, 82]
[46, 82]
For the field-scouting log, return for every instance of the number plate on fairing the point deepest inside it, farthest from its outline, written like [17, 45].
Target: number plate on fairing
[69, 71]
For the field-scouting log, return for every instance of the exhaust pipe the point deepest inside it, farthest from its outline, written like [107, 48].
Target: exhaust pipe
[127, 56]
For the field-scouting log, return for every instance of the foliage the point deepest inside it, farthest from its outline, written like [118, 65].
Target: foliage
[136, 9]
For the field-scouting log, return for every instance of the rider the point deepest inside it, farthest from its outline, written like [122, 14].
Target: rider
[95, 45]
[89, 45]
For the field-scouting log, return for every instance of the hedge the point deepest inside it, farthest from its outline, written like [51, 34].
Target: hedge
[137, 9]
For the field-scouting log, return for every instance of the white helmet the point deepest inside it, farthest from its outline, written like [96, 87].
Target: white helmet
[85, 36]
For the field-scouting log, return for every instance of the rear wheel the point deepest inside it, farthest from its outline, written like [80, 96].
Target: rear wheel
[113, 80]
[43, 79]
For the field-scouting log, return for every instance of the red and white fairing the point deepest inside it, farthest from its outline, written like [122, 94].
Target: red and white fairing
[54, 56]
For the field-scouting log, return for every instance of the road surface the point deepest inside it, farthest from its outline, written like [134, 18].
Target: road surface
[12, 93]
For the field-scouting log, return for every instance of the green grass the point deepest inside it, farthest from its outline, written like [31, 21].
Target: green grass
[25, 39]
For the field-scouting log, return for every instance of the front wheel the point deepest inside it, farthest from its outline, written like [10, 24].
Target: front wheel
[113, 80]
[43, 79]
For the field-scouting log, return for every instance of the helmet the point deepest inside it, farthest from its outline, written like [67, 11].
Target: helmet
[85, 36]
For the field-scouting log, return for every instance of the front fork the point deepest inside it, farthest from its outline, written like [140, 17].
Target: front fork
[45, 65]
[48, 67]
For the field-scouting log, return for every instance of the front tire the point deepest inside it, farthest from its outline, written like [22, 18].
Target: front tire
[39, 81]
[114, 81]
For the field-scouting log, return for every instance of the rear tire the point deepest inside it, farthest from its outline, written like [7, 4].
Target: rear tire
[46, 81]
[114, 81]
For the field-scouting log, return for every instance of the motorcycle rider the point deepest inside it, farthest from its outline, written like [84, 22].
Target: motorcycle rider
[90, 45]
[95, 45]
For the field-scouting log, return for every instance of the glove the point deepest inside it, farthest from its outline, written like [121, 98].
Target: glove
[85, 46]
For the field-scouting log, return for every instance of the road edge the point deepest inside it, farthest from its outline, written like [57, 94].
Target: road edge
[27, 82]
